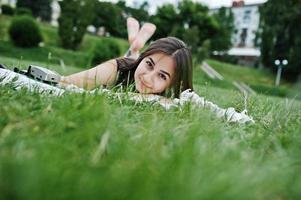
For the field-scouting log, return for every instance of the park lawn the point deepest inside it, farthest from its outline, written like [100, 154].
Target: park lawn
[91, 146]
[51, 45]
[51, 53]
[10, 63]
[260, 80]
[81, 146]
[247, 74]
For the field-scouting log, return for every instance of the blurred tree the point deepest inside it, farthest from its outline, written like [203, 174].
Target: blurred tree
[39, 8]
[75, 16]
[196, 14]
[222, 40]
[140, 12]
[109, 16]
[191, 37]
[166, 21]
[113, 16]
[190, 21]
[7, 10]
[281, 35]
[23, 11]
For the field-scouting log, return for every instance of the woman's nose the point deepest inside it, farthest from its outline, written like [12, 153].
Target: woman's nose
[148, 78]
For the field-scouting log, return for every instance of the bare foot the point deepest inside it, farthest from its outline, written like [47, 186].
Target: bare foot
[141, 38]
[133, 28]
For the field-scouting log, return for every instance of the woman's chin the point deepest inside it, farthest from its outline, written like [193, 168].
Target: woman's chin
[143, 90]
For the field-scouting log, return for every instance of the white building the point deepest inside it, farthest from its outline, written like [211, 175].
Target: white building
[246, 22]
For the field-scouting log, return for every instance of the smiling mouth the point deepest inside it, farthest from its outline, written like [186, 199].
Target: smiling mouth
[144, 86]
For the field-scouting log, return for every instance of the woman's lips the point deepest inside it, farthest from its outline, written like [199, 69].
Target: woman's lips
[144, 86]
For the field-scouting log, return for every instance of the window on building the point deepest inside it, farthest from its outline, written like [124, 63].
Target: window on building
[247, 16]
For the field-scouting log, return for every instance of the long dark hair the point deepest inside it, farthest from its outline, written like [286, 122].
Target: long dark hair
[170, 46]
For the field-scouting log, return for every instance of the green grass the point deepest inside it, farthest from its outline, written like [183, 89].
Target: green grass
[10, 63]
[260, 80]
[246, 74]
[52, 145]
[80, 58]
[81, 146]
[41, 54]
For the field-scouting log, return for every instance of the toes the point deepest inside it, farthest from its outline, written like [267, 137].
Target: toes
[143, 35]
[133, 28]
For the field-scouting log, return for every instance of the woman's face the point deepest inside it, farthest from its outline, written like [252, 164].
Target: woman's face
[154, 74]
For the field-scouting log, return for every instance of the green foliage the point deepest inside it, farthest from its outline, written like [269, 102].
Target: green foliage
[280, 35]
[225, 58]
[246, 74]
[23, 11]
[41, 54]
[25, 32]
[139, 12]
[202, 52]
[39, 8]
[104, 50]
[206, 24]
[110, 16]
[7, 10]
[82, 146]
[271, 91]
[189, 21]
[222, 40]
[78, 58]
[73, 21]
[166, 20]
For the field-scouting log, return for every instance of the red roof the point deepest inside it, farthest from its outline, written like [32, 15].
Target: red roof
[238, 3]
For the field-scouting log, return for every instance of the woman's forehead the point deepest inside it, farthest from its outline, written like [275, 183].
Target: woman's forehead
[161, 58]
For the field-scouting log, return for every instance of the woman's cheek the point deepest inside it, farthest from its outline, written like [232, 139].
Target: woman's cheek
[160, 86]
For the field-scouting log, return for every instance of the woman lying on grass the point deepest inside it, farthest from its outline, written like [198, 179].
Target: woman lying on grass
[163, 70]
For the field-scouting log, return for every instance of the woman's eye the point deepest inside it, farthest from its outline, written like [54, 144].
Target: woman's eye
[149, 64]
[162, 76]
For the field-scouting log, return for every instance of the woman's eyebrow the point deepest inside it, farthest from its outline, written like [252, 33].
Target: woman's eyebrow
[152, 61]
[164, 72]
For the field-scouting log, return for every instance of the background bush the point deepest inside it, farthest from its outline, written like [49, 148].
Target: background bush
[7, 10]
[23, 11]
[103, 51]
[25, 32]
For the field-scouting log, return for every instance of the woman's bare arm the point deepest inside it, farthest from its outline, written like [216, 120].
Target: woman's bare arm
[102, 74]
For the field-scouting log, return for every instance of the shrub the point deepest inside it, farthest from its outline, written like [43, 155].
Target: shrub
[103, 51]
[25, 32]
[269, 90]
[7, 10]
[226, 58]
[202, 52]
[23, 11]
[73, 21]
